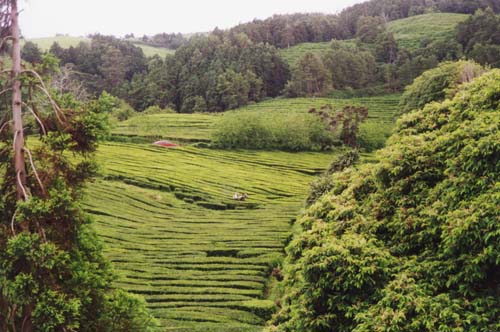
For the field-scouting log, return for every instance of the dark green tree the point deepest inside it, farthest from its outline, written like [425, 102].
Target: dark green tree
[310, 77]
[53, 276]
[31, 53]
[350, 66]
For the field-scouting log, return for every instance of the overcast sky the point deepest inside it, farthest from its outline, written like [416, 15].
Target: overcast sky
[45, 18]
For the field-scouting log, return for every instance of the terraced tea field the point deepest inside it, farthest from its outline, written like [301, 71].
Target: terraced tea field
[294, 53]
[179, 127]
[410, 32]
[198, 127]
[176, 236]
[173, 231]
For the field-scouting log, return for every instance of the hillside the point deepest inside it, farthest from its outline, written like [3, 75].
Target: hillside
[204, 259]
[410, 243]
[68, 41]
[176, 237]
[198, 127]
[410, 32]
[294, 53]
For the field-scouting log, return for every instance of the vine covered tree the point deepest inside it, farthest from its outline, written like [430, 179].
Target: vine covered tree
[53, 276]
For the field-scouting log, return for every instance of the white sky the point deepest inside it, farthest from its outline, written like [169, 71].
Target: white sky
[45, 18]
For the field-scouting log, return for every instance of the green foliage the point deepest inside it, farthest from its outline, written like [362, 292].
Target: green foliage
[369, 28]
[480, 37]
[309, 78]
[350, 66]
[178, 238]
[222, 71]
[410, 243]
[53, 276]
[293, 132]
[125, 312]
[122, 110]
[432, 27]
[439, 83]
[324, 183]
[482, 27]
[31, 53]
[105, 64]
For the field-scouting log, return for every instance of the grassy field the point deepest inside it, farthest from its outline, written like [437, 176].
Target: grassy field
[67, 41]
[176, 237]
[410, 32]
[198, 127]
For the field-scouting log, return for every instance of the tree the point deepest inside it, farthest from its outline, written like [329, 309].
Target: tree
[346, 121]
[31, 53]
[309, 78]
[350, 66]
[386, 49]
[53, 276]
[369, 28]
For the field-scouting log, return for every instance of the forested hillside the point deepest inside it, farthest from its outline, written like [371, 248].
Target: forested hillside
[376, 49]
[409, 243]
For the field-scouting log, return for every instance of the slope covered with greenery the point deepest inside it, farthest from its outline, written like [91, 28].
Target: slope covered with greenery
[70, 41]
[411, 32]
[410, 243]
[177, 237]
[200, 127]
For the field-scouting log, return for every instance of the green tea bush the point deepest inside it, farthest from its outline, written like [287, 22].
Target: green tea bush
[438, 83]
[256, 130]
[411, 243]
[324, 183]
[157, 110]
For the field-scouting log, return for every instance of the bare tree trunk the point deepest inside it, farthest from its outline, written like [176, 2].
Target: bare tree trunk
[19, 161]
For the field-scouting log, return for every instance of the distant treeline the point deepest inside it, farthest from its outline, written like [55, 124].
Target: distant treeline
[228, 69]
[288, 30]
[166, 40]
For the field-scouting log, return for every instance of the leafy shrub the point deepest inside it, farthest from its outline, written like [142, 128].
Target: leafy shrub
[157, 110]
[255, 130]
[438, 83]
[324, 183]
[123, 111]
[410, 243]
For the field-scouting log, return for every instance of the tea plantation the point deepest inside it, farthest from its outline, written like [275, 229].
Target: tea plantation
[198, 127]
[175, 235]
